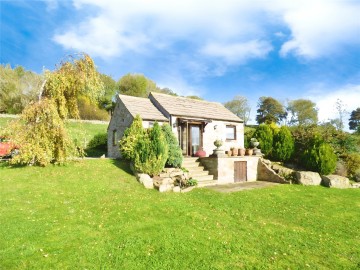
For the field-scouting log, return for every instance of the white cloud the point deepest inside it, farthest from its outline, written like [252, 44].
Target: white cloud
[180, 86]
[326, 101]
[51, 4]
[319, 27]
[227, 28]
[238, 52]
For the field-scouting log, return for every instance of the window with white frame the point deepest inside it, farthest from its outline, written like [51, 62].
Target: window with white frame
[230, 132]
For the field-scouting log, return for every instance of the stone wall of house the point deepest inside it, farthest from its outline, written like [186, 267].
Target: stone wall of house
[223, 167]
[120, 121]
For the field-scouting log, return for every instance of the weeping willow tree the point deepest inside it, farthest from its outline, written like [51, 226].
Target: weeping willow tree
[73, 79]
[40, 131]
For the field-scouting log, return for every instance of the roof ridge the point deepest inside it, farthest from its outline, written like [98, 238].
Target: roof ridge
[192, 99]
[132, 96]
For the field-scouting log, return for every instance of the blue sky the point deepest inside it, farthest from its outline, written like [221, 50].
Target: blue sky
[214, 49]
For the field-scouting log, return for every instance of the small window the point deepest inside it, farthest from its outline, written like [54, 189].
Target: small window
[114, 138]
[151, 124]
[230, 132]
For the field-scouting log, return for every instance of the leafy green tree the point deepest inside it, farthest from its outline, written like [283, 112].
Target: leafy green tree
[195, 97]
[167, 91]
[175, 156]
[110, 89]
[264, 135]
[90, 111]
[18, 88]
[239, 106]
[283, 144]
[303, 112]
[130, 139]
[270, 111]
[319, 156]
[138, 85]
[354, 121]
[133, 85]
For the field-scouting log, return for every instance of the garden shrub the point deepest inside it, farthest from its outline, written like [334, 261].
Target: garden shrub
[264, 135]
[352, 164]
[131, 136]
[90, 111]
[319, 157]
[357, 176]
[248, 134]
[151, 151]
[283, 144]
[97, 145]
[175, 156]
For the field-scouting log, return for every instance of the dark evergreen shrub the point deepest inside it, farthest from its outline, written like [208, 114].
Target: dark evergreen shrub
[352, 164]
[151, 151]
[319, 157]
[175, 156]
[283, 144]
[264, 135]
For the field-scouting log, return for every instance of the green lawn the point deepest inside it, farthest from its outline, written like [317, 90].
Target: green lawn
[93, 214]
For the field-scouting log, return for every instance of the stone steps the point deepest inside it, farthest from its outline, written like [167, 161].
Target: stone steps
[195, 174]
[207, 183]
[198, 172]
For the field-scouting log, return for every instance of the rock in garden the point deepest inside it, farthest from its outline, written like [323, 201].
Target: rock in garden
[143, 177]
[146, 180]
[308, 178]
[335, 181]
[176, 189]
[165, 188]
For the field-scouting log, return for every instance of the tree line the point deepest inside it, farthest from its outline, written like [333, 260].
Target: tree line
[300, 112]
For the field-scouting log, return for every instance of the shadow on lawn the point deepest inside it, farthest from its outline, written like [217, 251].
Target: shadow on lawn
[123, 165]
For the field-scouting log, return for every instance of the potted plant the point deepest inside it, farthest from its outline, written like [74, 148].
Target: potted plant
[218, 143]
[232, 150]
[249, 151]
[241, 152]
[200, 153]
[254, 142]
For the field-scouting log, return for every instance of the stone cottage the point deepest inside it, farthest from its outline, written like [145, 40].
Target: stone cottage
[195, 123]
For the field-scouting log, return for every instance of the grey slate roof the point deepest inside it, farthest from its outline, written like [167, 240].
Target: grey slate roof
[143, 107]
[186, 107]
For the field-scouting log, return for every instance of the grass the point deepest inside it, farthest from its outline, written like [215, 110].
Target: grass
[93, 214]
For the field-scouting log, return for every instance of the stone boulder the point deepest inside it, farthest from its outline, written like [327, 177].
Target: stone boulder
[308, 178]
[146, 180]
[165, 187]
[335, 181]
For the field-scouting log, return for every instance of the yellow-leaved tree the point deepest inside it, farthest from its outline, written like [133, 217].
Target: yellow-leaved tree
[40, 132]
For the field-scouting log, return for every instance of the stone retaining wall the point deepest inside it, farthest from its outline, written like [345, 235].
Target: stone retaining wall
[223, 167]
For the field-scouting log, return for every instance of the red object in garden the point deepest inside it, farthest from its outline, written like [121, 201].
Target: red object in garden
[200, 153]
[7, 148]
